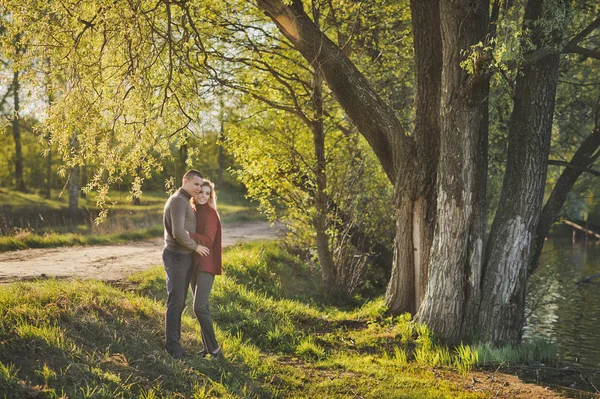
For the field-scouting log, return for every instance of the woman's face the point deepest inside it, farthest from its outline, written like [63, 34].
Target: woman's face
[203, 196]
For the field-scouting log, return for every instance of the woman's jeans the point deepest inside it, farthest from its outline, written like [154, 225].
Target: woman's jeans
[202, 283]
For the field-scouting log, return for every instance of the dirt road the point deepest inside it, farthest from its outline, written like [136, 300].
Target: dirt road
[108, 263]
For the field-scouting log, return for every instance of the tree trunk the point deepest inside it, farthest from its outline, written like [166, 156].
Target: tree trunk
[183, 156]
[402, 288]
[221, 154]
[457, 252]
[328, 271]
[396, 151]
[74, 195]
[48, 186]
[135, 199]
[16, 130]
[511, 239]
[74, 186]
[50, 90]
[416, 205]
[585, 155]
[83, 179]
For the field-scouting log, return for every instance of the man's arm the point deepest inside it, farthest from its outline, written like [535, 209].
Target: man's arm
[182, 236]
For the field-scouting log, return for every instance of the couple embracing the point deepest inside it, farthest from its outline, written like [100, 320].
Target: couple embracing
[191, 257]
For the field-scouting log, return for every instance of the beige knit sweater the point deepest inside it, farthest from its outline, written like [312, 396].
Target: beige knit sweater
[179, 220]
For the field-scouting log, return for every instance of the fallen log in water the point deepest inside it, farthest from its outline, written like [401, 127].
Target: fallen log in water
[588, 278]
[578, 227]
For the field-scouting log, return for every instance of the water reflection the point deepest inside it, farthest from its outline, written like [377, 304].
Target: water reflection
[562, 310]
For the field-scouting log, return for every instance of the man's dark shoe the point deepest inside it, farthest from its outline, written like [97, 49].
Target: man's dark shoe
[179, 355]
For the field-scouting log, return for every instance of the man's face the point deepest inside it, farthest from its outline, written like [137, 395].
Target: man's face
[192, 185]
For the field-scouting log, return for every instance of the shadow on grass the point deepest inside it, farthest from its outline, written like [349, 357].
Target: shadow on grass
[87, 339]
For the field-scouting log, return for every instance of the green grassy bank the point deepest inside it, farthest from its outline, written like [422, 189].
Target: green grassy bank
[30, 221]
[280, 335]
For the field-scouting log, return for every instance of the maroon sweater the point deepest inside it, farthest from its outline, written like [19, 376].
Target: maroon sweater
[208, 233]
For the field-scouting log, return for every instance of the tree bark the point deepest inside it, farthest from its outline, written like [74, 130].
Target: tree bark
[428, 84]
[415, 194]
[457, 252]
[401, 290]
[513, 230]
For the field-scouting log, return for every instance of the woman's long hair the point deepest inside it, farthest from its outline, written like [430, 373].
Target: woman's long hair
[212, 198]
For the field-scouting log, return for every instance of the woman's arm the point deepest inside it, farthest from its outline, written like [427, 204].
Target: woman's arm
[209, 227]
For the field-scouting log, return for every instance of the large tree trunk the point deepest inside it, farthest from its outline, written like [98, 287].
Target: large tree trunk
[585, 155]
[457, 252]
[415, 196]
[16, 130]
[401, 294]
[511, 239]
[397, 152]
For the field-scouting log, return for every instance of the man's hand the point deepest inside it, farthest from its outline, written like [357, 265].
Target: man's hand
[202, 250]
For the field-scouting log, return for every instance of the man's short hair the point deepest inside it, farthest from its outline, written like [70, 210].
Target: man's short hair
[191, 173]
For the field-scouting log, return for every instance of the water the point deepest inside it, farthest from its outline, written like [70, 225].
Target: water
[562, 310]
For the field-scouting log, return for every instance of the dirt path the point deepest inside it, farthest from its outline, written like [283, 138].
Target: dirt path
[108, 263]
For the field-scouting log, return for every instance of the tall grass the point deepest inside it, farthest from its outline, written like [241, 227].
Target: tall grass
[280, 336]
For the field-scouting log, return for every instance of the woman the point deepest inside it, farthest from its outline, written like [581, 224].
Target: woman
[208, 233]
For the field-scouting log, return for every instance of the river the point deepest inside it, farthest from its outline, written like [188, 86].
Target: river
[563, 311]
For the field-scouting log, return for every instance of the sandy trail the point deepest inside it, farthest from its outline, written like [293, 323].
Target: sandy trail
[108, 263]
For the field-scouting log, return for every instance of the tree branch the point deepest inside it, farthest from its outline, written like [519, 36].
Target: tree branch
[581, 50]
[375, 120]
[586, 154]
[573, 47]
[575, 167]
[582, 35]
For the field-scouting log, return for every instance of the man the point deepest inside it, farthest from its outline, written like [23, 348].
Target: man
[178, 221]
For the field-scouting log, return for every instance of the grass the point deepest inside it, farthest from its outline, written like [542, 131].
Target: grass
[30, 221]
[281, 337]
